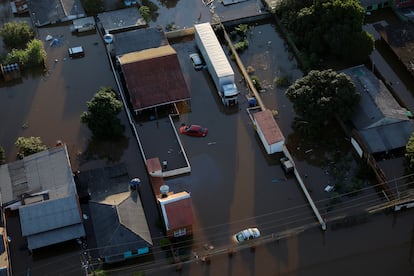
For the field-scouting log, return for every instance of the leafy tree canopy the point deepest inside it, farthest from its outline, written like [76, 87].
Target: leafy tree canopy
[101, 116]
[328, 28]
[321, 95]
[16, 34]
[29, 145]
[33, 55]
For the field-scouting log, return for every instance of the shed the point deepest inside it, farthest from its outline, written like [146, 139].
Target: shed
[268, 131]
[177, 213]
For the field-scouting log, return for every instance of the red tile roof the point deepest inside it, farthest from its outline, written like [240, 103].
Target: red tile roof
[269, 127]
[179, 213]
[177, 210]
[153, 77]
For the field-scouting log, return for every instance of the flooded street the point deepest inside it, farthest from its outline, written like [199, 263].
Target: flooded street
[49, 104]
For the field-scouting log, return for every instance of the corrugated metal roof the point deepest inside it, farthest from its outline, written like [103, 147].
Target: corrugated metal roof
[268, 126]
[138, 40]
[51, 221]
[154, 78]
[55, 236]
[48, 170]
[377, 106]
[214, 50]
[49, 215]
[114, 21]
[379, 119]
[387, 137]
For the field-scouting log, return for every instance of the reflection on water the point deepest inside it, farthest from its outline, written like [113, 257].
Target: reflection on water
[169, 4]
[111, 150]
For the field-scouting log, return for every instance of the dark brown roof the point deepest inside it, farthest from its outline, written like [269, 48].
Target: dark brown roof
[400, 37]
[153, 77]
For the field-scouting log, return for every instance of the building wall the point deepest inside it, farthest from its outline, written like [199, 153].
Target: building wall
[404, 3]
[188, 232]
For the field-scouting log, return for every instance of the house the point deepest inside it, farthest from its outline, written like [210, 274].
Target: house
[118, 220]
[381, 124]
[177, 213]
[42, 189]
[176, 208]
[148, 89]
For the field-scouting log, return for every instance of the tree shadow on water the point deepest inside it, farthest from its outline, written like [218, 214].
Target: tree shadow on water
[319, 149]
[111, 150]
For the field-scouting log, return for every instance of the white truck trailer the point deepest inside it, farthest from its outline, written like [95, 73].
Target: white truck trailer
[217, 63]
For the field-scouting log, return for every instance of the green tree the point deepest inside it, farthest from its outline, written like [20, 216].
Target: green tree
[101, 116]
[325, 28]
[16, 34]
[320, 96]
[34, 54]
[29, 145]
[2, 155]
[409, 153]
[145, 13]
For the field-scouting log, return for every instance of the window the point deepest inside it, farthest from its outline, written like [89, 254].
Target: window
[180, 232]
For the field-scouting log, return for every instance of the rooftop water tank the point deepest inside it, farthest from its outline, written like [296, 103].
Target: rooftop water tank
[108, 38]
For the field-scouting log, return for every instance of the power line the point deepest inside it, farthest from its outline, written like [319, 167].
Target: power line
[369, 199]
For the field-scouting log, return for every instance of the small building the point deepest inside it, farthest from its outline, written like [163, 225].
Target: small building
[19, 6]
[41, 187]
[268, 130]
[381, 124]
[120, 20]
[177, 214]
[85, 24]
[148, 89]
[138, 40]
[10, 71]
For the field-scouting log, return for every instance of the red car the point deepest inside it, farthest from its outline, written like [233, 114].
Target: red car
[193, 130]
